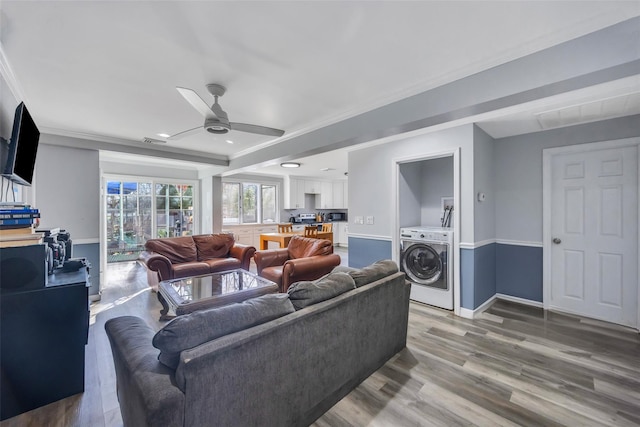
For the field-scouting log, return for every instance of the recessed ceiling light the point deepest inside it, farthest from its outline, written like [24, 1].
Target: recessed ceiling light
[163, 135]
[229, 141]
[290, 165]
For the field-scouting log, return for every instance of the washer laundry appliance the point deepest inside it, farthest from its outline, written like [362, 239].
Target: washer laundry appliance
[425, 259]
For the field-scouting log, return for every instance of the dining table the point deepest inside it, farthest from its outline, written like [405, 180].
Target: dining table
[283, 238]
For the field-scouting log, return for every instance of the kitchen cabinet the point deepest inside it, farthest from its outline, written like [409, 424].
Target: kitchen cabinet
[343, 233]
[312, 186]
[250, 234]
[243, 235]
[339, 200]
[294, 190]
[324, 200]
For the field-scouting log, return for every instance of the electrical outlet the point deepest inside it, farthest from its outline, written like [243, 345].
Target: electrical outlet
[359, 220]
[370, 220]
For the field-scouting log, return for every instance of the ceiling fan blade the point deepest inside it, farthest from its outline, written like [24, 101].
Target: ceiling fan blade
[182, 134]
[261, 130]
[196, 102]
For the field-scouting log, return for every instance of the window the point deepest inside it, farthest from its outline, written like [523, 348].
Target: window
[246, 203]
[174, 210]
[137, 211]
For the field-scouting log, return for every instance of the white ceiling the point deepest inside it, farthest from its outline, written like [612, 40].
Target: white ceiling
[107, 70]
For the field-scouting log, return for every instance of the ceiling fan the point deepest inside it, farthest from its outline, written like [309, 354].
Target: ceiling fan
[216, 119]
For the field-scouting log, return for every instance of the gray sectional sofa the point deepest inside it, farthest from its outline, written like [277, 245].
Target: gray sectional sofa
[277, 360]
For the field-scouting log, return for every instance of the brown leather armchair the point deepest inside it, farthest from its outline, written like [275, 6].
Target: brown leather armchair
[303, 259]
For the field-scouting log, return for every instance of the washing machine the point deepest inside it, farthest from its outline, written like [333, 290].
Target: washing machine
[425, 257]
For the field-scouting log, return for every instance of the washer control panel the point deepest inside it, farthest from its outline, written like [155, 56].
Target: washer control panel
[426, 234]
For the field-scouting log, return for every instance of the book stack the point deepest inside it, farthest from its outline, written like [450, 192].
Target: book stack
[16, 225]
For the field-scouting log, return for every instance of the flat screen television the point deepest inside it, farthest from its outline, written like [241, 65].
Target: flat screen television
[23, 147]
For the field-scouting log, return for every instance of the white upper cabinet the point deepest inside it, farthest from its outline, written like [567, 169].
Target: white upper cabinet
[339, 195]
[324, 200]
[312, 186]
[328, 194]
[293, 193]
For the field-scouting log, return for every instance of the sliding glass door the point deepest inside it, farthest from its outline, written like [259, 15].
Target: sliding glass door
[137, 210]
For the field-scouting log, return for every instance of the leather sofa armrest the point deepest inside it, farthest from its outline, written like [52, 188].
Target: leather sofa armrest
[310, 268]
[159, 263]
[270, 258]
[242, 252]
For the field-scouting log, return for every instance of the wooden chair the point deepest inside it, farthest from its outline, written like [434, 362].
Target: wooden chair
[327, 228]
[311, 231]
[285, 228]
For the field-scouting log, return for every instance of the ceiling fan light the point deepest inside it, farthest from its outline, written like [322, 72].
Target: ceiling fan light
[290, 165]
[217, 130]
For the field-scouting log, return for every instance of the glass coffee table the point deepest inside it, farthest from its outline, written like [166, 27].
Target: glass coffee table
[188, 294]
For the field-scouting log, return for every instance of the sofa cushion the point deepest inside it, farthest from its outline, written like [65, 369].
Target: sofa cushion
[177, 249]
[222, 264]
[196, 328]
[187, 269]
[370, 273]
[213, 245]
[305, 293]
[304, 247]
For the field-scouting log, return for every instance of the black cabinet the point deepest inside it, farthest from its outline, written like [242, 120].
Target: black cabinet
[43, 333]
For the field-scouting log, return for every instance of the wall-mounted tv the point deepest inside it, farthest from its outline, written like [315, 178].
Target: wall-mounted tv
[23, 147]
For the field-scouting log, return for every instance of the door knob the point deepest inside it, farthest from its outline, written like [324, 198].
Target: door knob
[556, 241]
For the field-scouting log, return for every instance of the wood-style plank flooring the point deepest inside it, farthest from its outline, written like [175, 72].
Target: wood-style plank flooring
[516, 365]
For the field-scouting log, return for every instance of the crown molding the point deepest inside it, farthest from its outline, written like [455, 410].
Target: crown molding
[9, 76]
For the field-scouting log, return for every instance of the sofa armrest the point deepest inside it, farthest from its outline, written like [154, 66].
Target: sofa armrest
[156, 262]
[270, 258]
[309, 268]
[146, 389]
[242, 252]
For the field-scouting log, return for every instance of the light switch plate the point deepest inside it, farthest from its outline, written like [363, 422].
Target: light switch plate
[370, 220]
[359, 220]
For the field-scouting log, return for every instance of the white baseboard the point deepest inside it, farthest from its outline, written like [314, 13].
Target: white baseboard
[519, 300]
[472, 314]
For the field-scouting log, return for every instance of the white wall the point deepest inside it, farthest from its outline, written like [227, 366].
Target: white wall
[136, 169]
[370, 178]
[518, 177]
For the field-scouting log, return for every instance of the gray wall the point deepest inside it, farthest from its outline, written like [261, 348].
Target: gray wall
[518, 179]
[67, 187]
[436, 183]
[483, 181]
[370, 178]
[410, 194]
[67, 192]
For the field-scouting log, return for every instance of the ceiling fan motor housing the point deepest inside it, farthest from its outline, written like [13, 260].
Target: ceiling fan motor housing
[216, 126]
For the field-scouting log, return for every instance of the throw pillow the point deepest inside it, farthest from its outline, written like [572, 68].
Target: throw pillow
[196, 328]
[213, 245]
[305, 293]
[373, 272]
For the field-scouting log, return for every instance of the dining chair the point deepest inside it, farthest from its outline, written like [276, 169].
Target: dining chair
[311, 231]
[327, 228]
[285, 228]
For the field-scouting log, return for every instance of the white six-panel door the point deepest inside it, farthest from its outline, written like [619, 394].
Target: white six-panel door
[594, 234]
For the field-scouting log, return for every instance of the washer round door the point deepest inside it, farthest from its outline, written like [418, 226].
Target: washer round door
[425, 264]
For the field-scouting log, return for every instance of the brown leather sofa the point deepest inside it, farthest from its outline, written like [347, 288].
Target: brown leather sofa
[176, 257]
[303, 259]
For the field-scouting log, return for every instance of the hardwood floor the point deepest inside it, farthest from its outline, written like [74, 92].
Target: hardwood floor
[516, 365]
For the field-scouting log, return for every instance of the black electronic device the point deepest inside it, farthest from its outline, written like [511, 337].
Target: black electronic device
[23, 268]
[23, 147]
